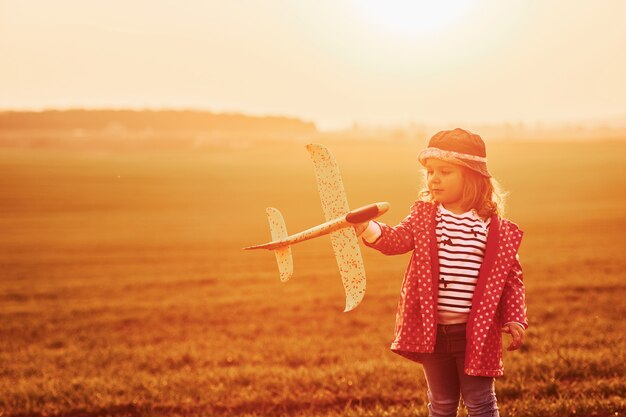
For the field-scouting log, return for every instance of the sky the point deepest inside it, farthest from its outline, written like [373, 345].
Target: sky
[333, 62]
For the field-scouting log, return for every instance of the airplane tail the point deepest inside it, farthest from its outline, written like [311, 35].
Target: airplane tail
[283, 253]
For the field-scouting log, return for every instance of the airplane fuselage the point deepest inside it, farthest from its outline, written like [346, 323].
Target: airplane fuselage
[360, 215]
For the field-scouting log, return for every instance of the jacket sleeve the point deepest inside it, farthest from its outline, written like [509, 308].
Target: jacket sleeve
[395, 240]
[514, 297]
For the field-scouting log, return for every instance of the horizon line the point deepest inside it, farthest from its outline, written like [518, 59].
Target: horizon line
[348, 125]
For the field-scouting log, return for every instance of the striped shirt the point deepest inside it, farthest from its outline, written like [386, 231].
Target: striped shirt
[461, 242]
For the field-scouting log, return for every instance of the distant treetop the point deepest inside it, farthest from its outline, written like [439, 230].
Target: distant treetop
[161, 120]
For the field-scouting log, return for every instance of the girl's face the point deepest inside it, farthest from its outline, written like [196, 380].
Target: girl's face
[445, 183]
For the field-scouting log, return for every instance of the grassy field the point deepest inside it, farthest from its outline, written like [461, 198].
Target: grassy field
[124, 290]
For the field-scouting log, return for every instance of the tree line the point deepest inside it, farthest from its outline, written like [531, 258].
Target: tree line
[161, 120]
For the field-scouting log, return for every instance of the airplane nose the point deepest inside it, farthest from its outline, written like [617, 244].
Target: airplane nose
[365, 213]
[383, 207]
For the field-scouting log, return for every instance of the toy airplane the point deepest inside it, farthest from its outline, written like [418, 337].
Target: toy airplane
[339, 224]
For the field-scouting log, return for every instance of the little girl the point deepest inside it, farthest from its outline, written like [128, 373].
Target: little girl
[463, 284]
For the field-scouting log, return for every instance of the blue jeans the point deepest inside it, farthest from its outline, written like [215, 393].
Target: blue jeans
[447, 381]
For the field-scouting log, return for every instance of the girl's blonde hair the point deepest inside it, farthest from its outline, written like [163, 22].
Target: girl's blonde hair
[484, 194]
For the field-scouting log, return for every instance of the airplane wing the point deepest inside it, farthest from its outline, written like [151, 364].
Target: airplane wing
[350, 263]
[329, 182]
[344, 241]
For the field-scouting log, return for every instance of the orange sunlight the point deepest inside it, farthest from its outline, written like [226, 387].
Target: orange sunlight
[365, 62]
[411, 18]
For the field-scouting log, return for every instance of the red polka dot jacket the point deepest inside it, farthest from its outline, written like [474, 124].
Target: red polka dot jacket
[499, 296]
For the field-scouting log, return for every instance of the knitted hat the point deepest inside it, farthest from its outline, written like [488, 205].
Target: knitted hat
[458, 146]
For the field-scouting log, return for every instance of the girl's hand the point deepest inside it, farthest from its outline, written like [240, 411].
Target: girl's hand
[517, 331]
[360, 227]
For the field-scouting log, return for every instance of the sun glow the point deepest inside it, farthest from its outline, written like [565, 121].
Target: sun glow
[412, 17]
